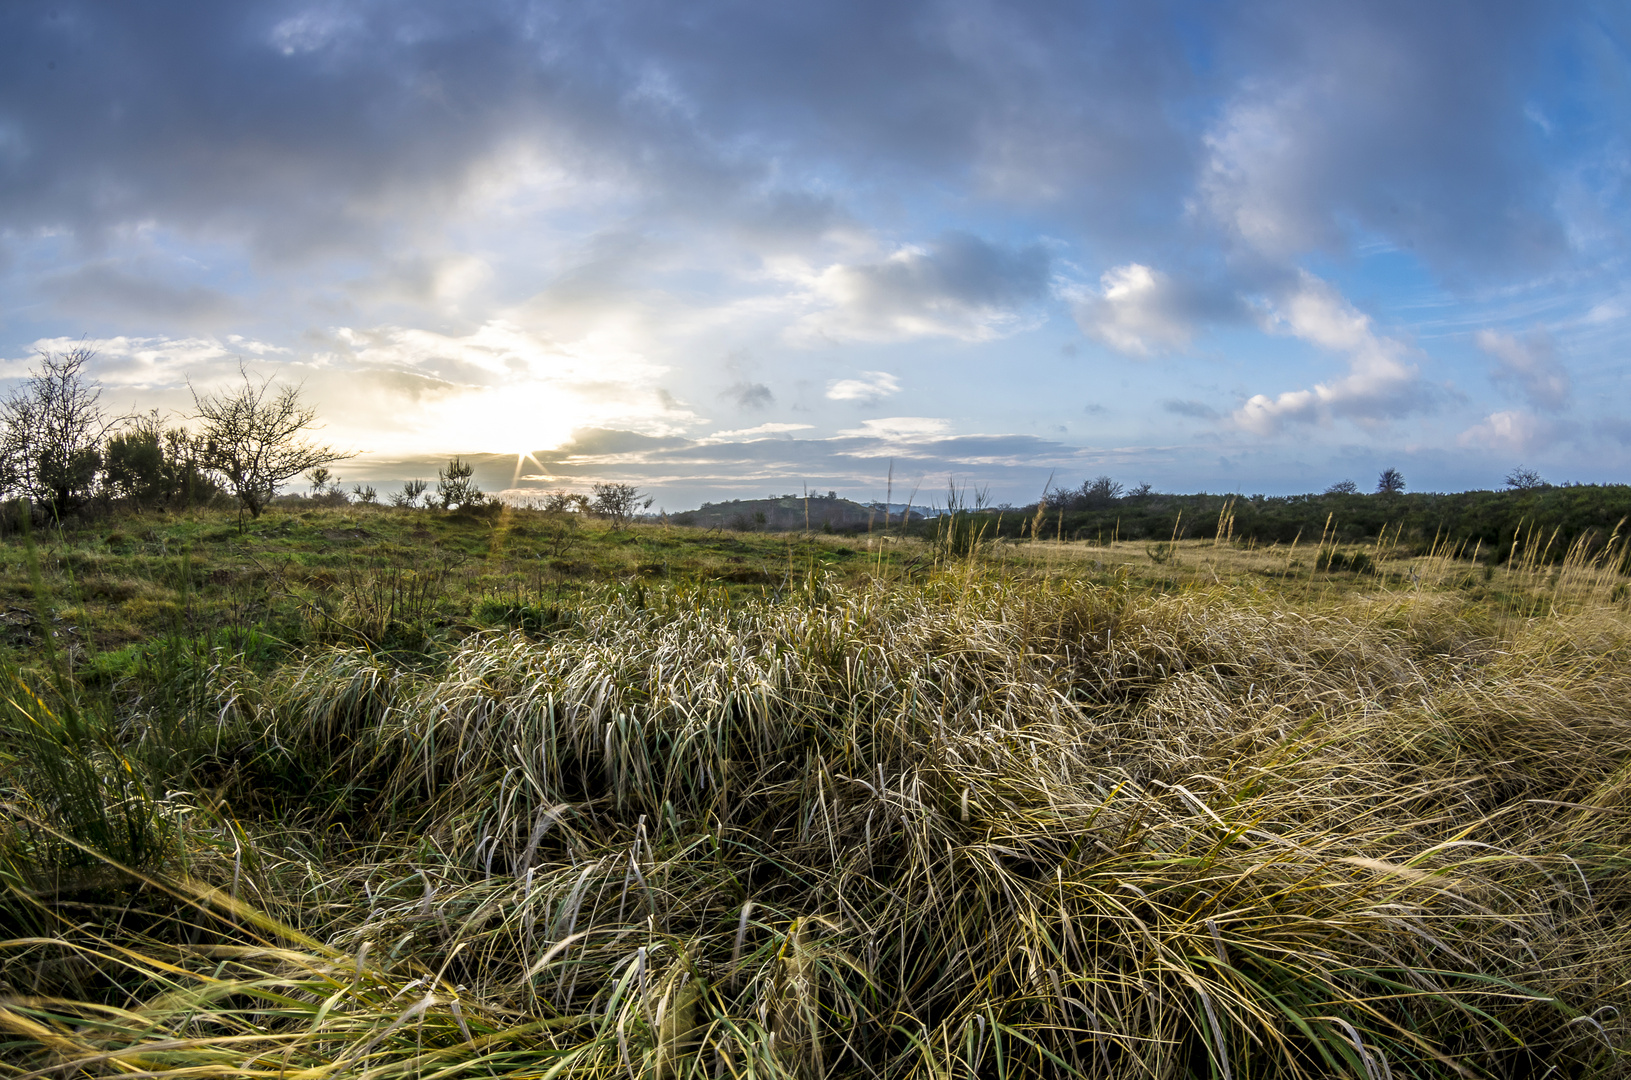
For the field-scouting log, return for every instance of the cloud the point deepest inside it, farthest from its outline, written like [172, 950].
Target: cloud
[897, 429]
[1380, 384]
[870, 387]
[1196, 409]
[959, 287]
[1140, 311]
[1514, 431]
[499, 387]
[1530, 365]
[323, 128]
[159, 363]
[521, 389]
[763, 431]
[106, 288]
[749, 395]
[1319, 147]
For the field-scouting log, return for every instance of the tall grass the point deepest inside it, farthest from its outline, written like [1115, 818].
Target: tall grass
[974, 827]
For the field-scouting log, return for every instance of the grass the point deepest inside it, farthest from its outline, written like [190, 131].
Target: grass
[1031, 810]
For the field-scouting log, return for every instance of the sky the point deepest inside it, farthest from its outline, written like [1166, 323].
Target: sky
[731, 249]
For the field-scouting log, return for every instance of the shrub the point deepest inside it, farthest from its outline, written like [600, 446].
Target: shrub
[456, 486]
[410, 493]
[618, 503]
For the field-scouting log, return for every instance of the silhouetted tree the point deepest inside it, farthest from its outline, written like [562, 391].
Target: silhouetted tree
[251, 438]
[51, 432]
[1522, 479]
[1391, 482]
[1343, 487]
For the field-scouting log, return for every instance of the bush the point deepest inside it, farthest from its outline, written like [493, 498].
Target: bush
[456, 486]
[618, 503]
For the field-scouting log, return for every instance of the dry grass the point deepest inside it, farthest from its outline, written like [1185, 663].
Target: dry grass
[1004, 823]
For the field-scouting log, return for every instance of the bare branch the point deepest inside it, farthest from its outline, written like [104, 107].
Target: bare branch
[250, 437]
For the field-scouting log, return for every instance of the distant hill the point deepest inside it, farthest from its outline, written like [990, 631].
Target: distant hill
[787, 513]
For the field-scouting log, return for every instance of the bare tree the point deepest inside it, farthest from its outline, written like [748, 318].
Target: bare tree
[51, 432]
[1343, 487]
[617, 502]
[251, 438]
[1524, 479]
[1391, 482]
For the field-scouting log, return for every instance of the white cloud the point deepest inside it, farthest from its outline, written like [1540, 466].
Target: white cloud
[763, 431]
[1141, 311]
[1531, 365]
[1379, 385]
[159, 363]
[871, 386]
[900, 429]
[1252, 180]
[1514, 431]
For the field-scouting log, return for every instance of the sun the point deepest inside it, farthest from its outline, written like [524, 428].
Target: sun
[515, 420]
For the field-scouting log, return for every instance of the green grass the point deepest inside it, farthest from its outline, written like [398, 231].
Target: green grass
[1030, 810]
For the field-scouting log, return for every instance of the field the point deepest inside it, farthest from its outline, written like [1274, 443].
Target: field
[365, 792]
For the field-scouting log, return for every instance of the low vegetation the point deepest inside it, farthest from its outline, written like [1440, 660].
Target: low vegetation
[377, 792]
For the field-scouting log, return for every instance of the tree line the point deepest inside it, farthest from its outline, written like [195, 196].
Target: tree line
[1101, 511]
[62, 453]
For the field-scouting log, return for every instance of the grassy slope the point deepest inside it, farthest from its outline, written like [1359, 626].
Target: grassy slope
[1047, 809]
[136, 579]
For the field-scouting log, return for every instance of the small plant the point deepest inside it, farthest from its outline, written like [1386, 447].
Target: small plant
[456, 486]
[409, 496]
[365, 495]
[1332, 560]
[959, 530]
[1162, 553]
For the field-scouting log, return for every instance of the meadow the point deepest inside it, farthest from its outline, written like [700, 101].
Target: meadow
[368, 792]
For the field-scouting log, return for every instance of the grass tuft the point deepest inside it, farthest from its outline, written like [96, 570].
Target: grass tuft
[1003, 822]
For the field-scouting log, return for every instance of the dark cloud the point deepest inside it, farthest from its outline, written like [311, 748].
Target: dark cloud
[749, 395]
[600, 443]
[958, 286]
[957, 269]
[329, 127]
[1397, 120]
[1199, 410]
[102, 288]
